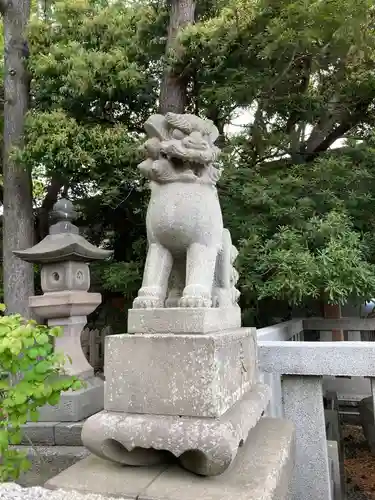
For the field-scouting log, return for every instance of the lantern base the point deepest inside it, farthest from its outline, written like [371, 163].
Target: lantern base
[77, 405]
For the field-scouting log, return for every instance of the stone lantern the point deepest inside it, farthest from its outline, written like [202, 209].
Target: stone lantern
[64, 256]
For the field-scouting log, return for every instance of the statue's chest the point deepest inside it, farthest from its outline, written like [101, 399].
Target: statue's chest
[180, 213]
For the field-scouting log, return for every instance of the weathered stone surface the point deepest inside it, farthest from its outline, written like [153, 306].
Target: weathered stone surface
[302, 398]
[102, 477]
[366, 411]
[68, 433]
[57, 305]
[12, 491]
[52, 433]
[39, 433]
[48, 461]
[77, 405]
[183, 320]
[261, 471]
[190, 255]
[68, 275]
[190, 375]
[205, 446]
[318, 358]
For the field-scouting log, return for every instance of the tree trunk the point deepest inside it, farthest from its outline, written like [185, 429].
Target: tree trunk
[173, 92]
[18, 226]
[333, 311]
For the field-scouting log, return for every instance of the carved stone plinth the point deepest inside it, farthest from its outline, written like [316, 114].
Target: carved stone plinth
[179, 320]
[204, 446]
[194, 397]
[262, 470]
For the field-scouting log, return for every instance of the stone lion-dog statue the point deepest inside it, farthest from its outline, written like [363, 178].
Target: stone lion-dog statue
[190, 254]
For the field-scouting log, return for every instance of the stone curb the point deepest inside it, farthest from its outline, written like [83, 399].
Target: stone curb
[52, 433]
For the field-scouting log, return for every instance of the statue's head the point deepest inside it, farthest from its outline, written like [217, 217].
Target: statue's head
[180, 148]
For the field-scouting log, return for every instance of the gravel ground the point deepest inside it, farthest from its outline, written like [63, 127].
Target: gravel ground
[359, 465]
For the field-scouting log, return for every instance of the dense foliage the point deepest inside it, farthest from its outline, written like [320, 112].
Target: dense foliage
[299, 73]
[31, 377]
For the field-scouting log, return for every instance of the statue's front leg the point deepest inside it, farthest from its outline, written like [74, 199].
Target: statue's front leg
[200, 268]
[155, 278]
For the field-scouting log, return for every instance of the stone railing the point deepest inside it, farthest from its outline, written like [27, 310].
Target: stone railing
[284, 332]
[295, 372]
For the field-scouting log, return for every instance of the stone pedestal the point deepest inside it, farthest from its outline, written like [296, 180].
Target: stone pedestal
[191, 396]
[261, 471]
[69, 310]
[179, 320]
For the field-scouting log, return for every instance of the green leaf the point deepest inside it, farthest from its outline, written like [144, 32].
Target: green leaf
[54, 399]
[42, 367]
[3, 438]
[15, 437]
[34, 415]
[19, 398]
[42, 339]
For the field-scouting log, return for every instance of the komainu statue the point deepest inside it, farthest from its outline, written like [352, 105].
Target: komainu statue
[190, 255]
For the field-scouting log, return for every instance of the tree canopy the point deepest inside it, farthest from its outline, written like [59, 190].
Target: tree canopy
[298, 182]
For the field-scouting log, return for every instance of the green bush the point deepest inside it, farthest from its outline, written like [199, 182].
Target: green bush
[31, 376]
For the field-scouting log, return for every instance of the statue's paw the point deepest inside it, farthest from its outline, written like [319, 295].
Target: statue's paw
[147, 303]
[191, 301]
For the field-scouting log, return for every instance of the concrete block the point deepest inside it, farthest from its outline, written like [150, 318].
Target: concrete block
[188, 375]
[262, 470]
[206, 446]
[39, 433]
[48, 461]
[355, 359]
[94, 475]
[78, 405]
[68, 433]
[183, 320]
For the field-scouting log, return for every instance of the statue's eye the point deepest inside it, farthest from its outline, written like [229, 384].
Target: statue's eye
[163, 155]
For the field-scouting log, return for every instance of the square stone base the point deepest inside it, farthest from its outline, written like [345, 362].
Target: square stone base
[262, 470]
[77, 405]
[183, 320]
[185, 375]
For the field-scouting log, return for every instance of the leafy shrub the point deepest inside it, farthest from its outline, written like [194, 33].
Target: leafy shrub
[31, 376]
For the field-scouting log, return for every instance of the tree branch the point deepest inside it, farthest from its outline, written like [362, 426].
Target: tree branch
[50, 199]
[336, 128]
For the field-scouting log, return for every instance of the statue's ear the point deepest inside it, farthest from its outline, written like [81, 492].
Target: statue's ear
[213, 133]
[156, 126]
[152, 147]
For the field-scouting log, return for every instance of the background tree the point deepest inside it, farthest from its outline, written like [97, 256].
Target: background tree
[299, 78]
[173, 92]
[17, 199]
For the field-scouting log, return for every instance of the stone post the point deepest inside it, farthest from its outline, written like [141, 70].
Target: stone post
[64, 256]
